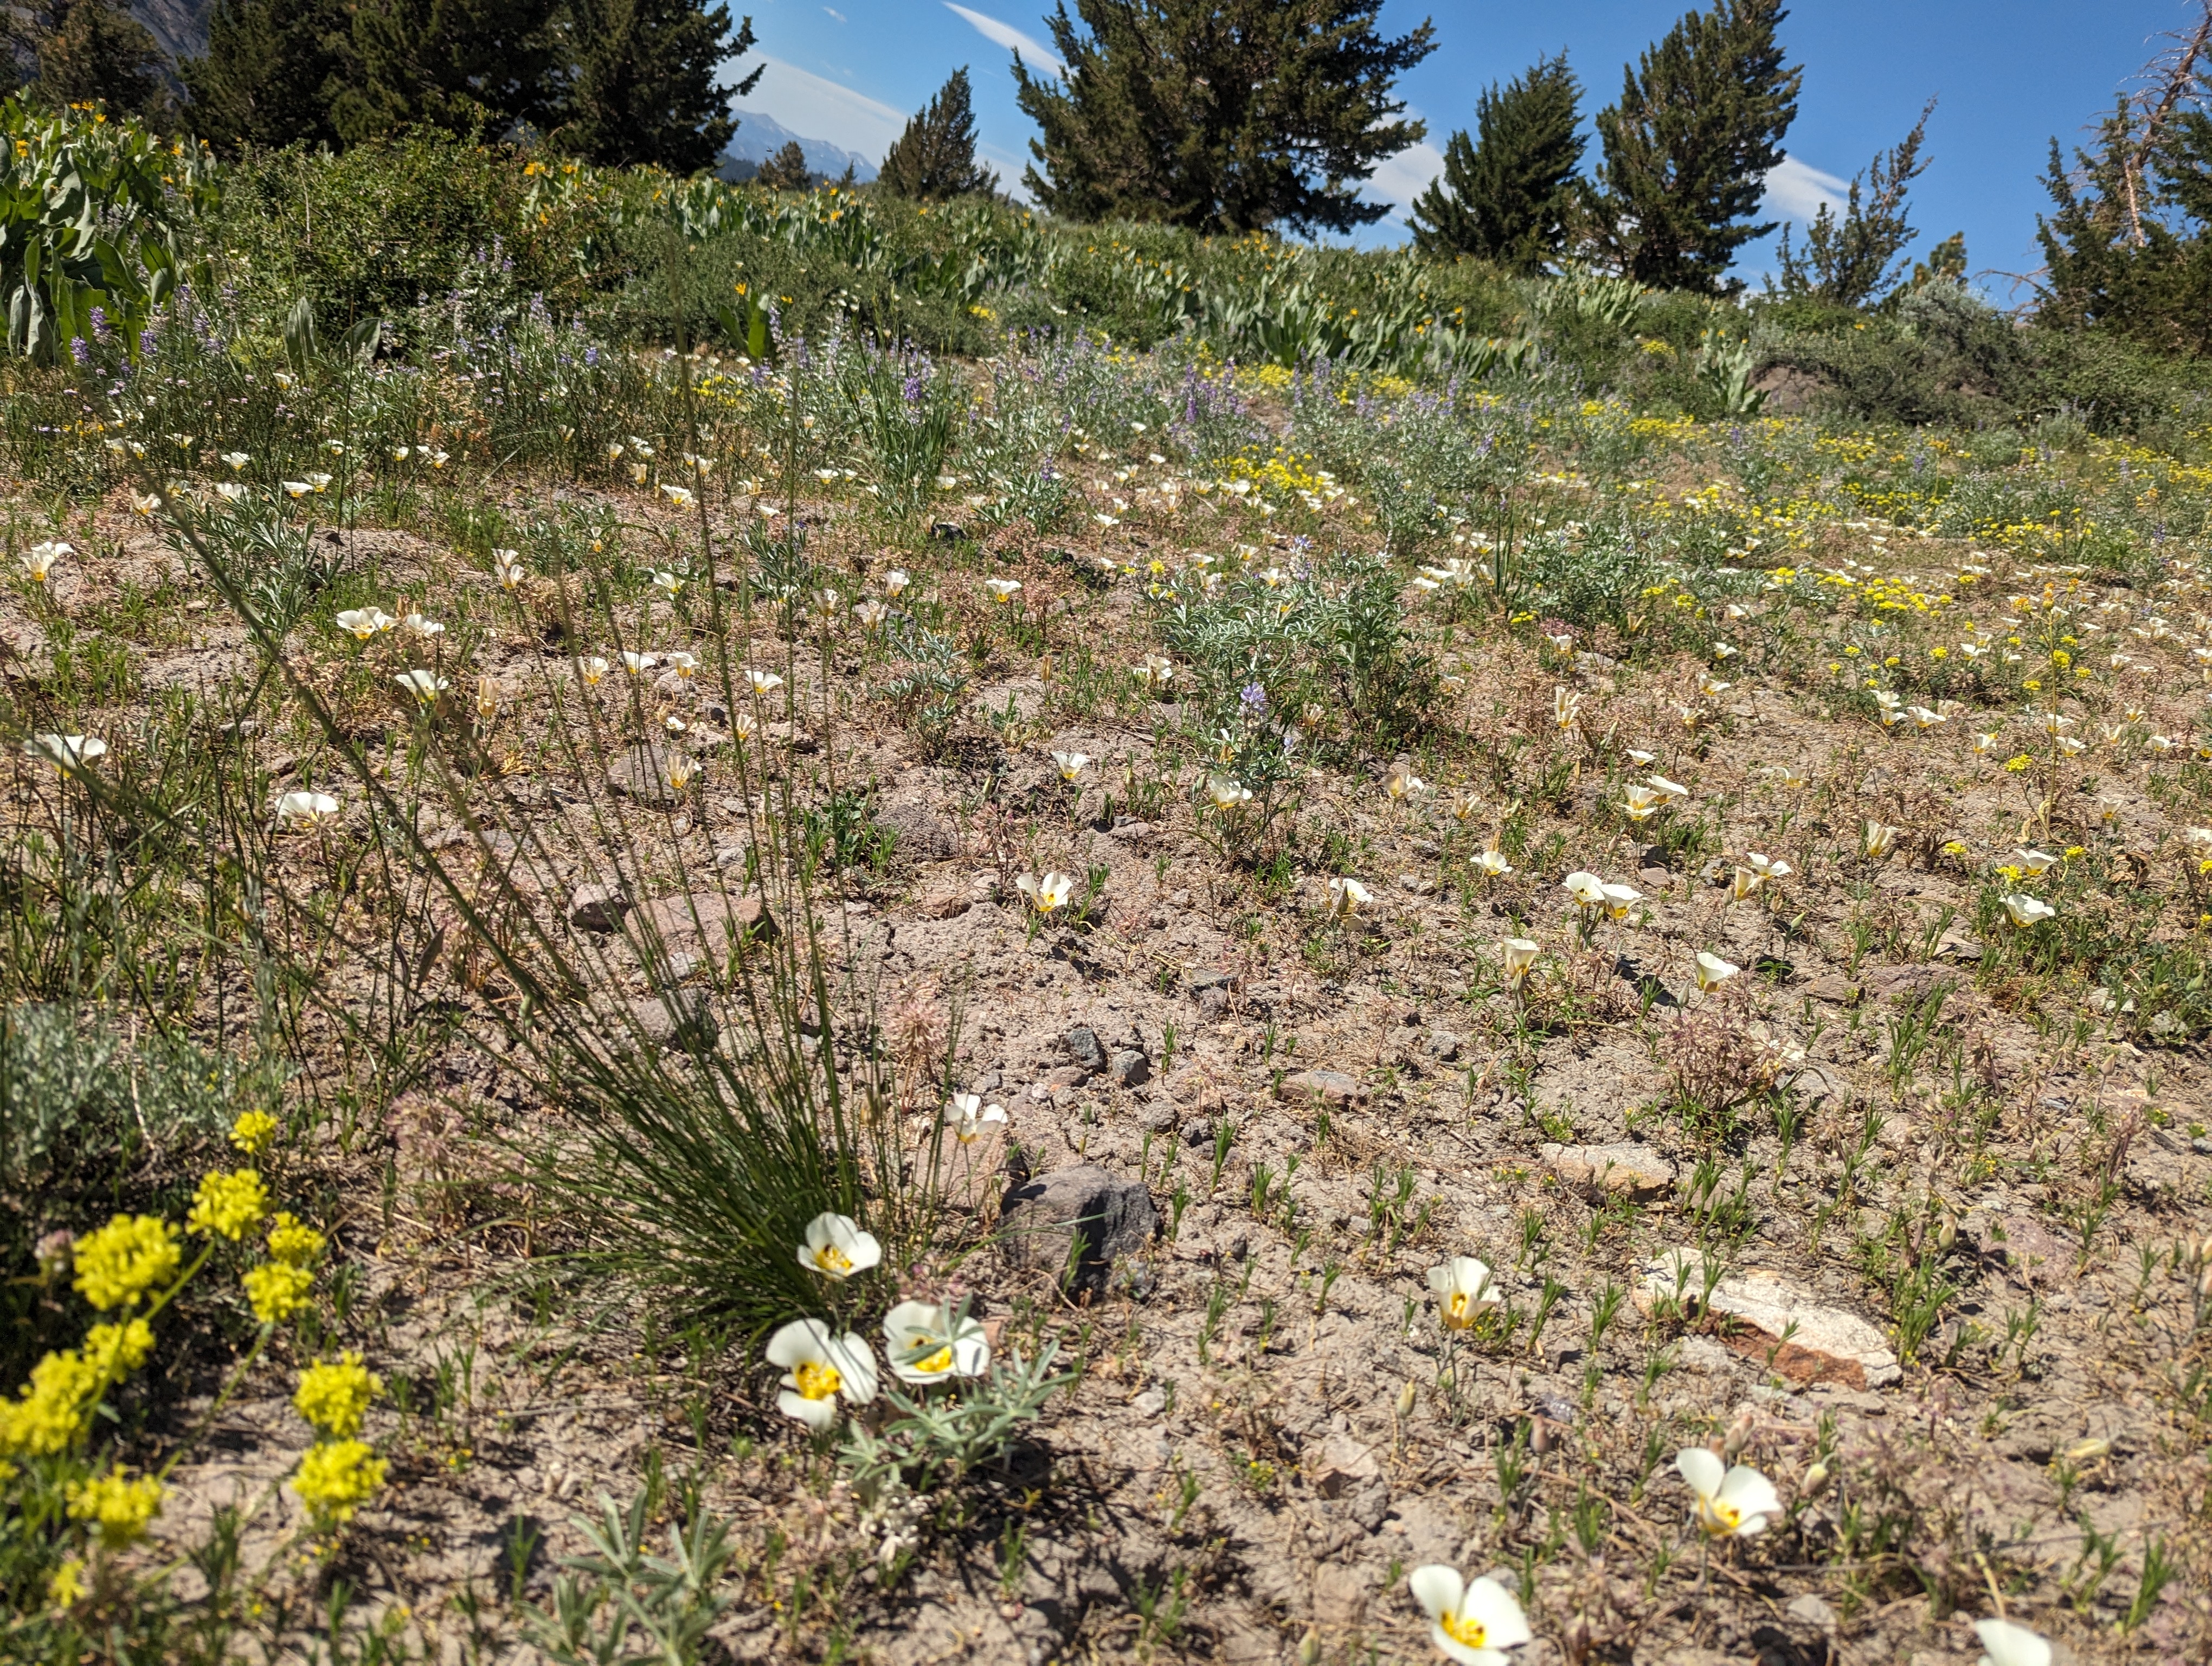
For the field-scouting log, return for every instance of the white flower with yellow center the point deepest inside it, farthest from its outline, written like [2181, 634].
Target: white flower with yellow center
[1673, 789]
[1003, 590]
[1729, 1503]
[871, 614]
[971, 1116]
[305, 809]
[1347, 896]
[821, 1368]
[684, 664]
[417, 626]
[236, 461]
[895, 580]
[679, 497]
[39, 559]
[2026, 911]
[1641, 759]
[1402, 783]
[507, 567]
[1587, 889]
[1492, 864]
[1620, 899]
[1566, 707]
[1767, 867]
[1879, 839]
[1047, 891]
[592, 669]
[1070, 764]
[1227, 794]
[425, 685]
[1518, 954]
[668, 584]
[676, 770]
[1713, 971]
[2035, 862]
[363, 623]
[1473, 1623]
[763, 681]
[836, 1246]
[1640, 802]
[1464, 1290]
[929, 1343]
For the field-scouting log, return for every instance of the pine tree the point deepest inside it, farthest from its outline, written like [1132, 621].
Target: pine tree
[1699, 123]
[934, 160]
[269, 72]
[786, 170]
[1508, 196]
[1847, 263]
[1220, 115]
[2116, 263]
[79, 51]
[640, 77]
[466, 66]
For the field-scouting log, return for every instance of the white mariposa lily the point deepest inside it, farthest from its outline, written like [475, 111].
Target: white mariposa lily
[1473, 1622]
[1587, 889]
[929, 1342]
[1517, 954]
[838, 1247]
[39, 559]
[2004, 1644]
[1347, 896]
[425, 685]
[66, 752]
[1070, 764]
[972, 1116]
[1728, 1503]
[1464, 1290]
[304, 809]
[820, 1369]
[1047, 891]
[363, 623]
[1713, 971]
[2026, 911]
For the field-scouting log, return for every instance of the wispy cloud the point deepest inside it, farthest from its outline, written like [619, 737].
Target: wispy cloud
[834, 12]
[819, 108]
[1006, 35]
[1797, 191]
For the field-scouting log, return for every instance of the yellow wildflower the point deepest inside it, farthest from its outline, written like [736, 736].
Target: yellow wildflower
[277, 1290]
[293, 1243]
[334, 1395]
[66, 1588]
[337, 1477]
[53, 1409]
[120, 1506]
[111, 1350]
[228, 1204]
[117, 1265]
[253, 1133]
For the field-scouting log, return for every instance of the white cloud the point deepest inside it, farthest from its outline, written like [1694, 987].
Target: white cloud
[1005, 34]
[835, 13]
[1405, 176]
[821, 109]
[1796, 191]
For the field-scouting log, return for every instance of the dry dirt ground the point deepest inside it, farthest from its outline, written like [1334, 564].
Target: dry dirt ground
[1270, 1426]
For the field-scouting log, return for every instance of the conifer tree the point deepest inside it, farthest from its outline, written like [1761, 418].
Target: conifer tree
[1699, 124]
[934, 160]
[1509, 195]
[466, 66]
[269, 72]
[73, 52]
[1847, 261]
[1220, 115]
[787, 170]
[639, 81]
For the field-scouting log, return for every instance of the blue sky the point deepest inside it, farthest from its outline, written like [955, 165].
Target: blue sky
[2010, 74]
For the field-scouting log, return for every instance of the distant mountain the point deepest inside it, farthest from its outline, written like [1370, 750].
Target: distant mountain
[179, 27]
[760, 136]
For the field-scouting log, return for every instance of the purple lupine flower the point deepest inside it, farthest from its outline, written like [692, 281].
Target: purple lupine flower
[1253, 700]
[591, 356]
[912, 391]
[79, 351]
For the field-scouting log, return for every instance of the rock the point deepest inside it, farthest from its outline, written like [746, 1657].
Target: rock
[1417, 884]
[1629, 1170]
[641, 771]
[1775, 1323]
[1342, 1463]
[598, 907]
[1835, 988]
[1130, 1067]
[681, 1018]
[1082, 1043]
[1039, 1223]
[1821, 1081]
[920, 836]
[1811, 1611]
[1440, 1045]
[1129, 831]
[1331, 1088]
[705, 924]
[2026, 1244]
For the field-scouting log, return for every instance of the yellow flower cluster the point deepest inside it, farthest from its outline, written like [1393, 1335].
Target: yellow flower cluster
[276, 1290]
[335, 1396]
[253, 1133]
[117, 1265]
[294, 1242]
[111, 1350]
[337, 1477]
[119, 1506]
[228, 1205]
[53, 1410]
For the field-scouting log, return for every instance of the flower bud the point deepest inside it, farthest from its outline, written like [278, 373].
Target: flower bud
[1405, 1400]
[1815, 1482]
[1738, 1437]
[1310, 1648]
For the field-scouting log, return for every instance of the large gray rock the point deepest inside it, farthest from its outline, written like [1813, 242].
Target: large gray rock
[1331, 1088]
[921, 834]
[641, 770]
[705, 924]
[1041, 1220]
